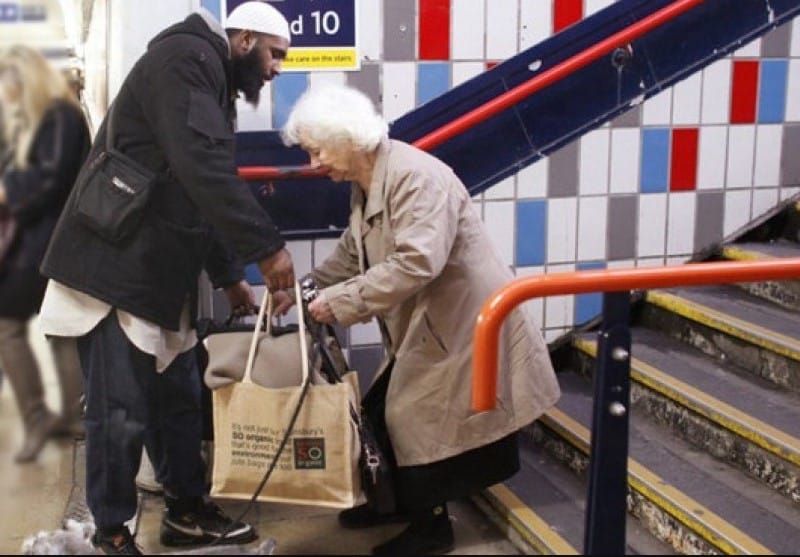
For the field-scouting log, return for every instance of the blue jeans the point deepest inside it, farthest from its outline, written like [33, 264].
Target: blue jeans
[129, 403]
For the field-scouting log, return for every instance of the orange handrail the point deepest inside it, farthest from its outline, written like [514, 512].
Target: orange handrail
[506, 298]
[510, 97]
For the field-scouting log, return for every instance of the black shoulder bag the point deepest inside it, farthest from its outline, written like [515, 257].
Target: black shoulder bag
[112, 191]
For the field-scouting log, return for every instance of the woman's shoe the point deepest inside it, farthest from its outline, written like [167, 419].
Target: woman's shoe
[363, 516]
[429, 533]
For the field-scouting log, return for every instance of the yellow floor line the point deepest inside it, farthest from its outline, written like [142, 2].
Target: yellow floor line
[536, 531]
[699, 519]
[760, 433]
[738, 254]
[744, 330]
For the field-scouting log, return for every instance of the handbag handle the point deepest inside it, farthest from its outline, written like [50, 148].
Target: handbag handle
[266, 305]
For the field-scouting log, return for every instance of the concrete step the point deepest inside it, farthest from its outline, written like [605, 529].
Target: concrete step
[715, 407]
[729, 324]
[682, 496]
[785, 293]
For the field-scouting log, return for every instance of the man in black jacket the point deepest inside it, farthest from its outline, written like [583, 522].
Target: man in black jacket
[132, 302]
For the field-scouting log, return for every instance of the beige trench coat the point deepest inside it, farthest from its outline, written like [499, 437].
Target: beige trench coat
[417, 257]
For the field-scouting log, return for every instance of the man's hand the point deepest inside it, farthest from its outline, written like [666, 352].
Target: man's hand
[278, 271]
[241, 298]
[281, 302]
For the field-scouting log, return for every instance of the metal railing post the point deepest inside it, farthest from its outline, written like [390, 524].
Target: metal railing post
[606, 511]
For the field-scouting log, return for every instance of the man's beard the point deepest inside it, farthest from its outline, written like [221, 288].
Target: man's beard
[248, 75]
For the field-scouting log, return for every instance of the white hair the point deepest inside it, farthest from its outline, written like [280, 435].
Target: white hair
[330, 113]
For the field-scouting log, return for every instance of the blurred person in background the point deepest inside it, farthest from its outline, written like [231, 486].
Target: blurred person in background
[417, 257]
[132, 304]
[47, 140]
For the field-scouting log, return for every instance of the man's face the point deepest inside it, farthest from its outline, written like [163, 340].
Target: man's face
[260, 64]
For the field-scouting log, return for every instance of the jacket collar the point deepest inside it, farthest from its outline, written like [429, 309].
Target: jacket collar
[374, 204]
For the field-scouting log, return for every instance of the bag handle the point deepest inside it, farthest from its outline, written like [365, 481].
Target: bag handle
[266, 305]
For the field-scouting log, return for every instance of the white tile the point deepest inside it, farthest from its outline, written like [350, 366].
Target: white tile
[258, 118]
[680, 223]
[316, 79]
[561, 229]
[464, 71]
[594, 6]
[553, 334]
[370, 30]
[787, 192]
[657, 110]
[559, 311]
[499, 219]
[717, 92]
[686, 101]
[795, 44]
[750, 50]
[652, 224]
[793, 96]
[741, 146]
[764, 200]
[534, 305]
[501, 29]
[593, 164]
[592, 228]
[737, 211]
[323, 248]
[677, 260]
[532, 180]
[504, 189]
[621, 264]
[301, 251]
[650, 262]
[711, 159]
[468, 31]
[365, 333]
[769, 138]
[625, 154]
[399, 89]
[535, 22]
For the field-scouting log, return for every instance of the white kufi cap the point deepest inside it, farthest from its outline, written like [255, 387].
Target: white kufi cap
[259, 17]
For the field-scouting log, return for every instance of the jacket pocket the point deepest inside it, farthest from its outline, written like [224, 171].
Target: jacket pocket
[207, 118]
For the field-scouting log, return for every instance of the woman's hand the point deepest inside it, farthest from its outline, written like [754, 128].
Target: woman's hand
[321, 310]
[241, 298]
[281, 302]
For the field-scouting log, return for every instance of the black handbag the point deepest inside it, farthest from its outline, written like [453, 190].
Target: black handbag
[112, 191]
[375, 469]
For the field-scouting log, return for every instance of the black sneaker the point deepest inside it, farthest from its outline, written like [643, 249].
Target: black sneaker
[202, 522]
[429, 533]
[363, 516]
[117, 541]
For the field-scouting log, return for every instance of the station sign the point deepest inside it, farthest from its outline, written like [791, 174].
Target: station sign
[324, 33]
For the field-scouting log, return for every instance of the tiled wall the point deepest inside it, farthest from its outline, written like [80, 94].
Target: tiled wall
[683, 170]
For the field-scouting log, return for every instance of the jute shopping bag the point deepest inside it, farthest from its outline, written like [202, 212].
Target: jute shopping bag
[318, 464]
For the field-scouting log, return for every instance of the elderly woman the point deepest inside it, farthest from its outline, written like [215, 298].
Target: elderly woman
[417, 258]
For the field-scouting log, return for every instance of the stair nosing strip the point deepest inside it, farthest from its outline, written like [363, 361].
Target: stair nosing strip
[739, 328]
[532, 527]
[738, 254]
[760, 433]
[701, 520]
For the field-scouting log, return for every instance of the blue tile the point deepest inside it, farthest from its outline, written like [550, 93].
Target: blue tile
[213, 7]
[531, 232]
[772, 96]
[285, 92]
[655, 161]
[588, 306]
[433, 79]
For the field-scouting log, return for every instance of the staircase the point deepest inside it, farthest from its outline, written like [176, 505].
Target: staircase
[714, 449]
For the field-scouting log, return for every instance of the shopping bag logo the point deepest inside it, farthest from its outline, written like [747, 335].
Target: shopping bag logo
[309, 453]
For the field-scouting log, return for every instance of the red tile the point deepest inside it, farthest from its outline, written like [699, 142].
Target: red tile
[565, 13]
[491, 64]
[434, 29]
[683, 167]
[744, 90]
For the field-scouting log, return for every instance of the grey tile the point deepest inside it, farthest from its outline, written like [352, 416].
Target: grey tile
[368, 81]
[790, 162]
[399, 30]
[629, 119]
[709, 219]
[622, 219]
[562, 177]
[775, 44]
[365, 360]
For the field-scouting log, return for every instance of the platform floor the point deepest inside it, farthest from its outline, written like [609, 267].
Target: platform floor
[36, 497]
